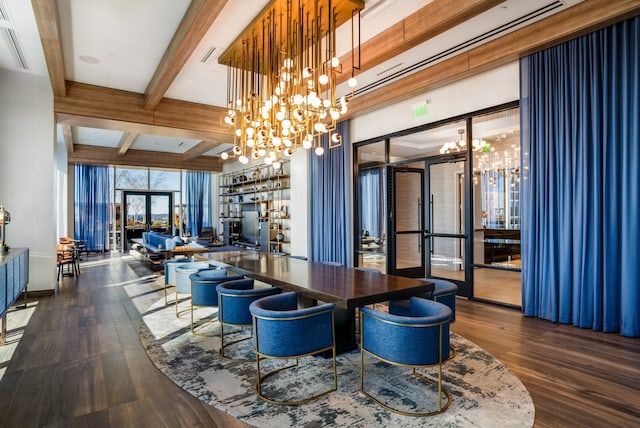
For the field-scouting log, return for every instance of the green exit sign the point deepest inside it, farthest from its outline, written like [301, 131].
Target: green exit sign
[419, 110]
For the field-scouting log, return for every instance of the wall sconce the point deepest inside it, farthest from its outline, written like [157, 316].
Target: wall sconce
[5, 218]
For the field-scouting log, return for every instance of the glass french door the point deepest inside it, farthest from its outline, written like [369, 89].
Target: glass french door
[406, 222]
[145, 211]
[445, 229]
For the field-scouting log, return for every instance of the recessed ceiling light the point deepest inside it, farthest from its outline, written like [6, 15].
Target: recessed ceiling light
[89, 59]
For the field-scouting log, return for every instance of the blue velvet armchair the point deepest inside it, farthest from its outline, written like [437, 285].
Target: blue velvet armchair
[234, 299]
[282, 331]
[418, 340]
[203, 285]
[183, 283]
[444, 292]
[170, 274]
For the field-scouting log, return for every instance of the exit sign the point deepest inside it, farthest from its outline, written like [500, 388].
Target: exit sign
[420, 109]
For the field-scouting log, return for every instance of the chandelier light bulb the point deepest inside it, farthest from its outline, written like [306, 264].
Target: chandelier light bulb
[224, 155]
[335, 114]
[243, 159]
[323, 79]
[336, 138]
[335, 62]
[352, 82]
[322, 114]
[307, 144]
[276, 141]
[319, 151]
[276, 165]
[298, 99]
[280, 115]
[285, 132]
[249, 131]
[286, 142]
[262, 152]
[288, 152]
[286, 124]
[237, 150]
[254, 155]
[307, 72]
[238, 132]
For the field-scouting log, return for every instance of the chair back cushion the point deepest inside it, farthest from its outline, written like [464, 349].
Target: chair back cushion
[211, 273]
[203, 292]
[235, 297]
[282, 330]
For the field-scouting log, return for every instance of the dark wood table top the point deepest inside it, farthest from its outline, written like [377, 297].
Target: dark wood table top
[346, 287]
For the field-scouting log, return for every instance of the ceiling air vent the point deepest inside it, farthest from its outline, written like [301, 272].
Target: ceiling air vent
[461, 47]
[208, 58]
[15, 47]
[4, 12]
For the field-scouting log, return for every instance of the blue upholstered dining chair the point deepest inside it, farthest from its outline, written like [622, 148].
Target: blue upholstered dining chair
[332, 263]
[183, 283]
[418, 340]
[203, 292]
[234, 298]
[170, 274]
[282, 331]
[444, 292]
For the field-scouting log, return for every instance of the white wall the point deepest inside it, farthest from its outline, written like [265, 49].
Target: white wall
[488, 89]
[27, 136]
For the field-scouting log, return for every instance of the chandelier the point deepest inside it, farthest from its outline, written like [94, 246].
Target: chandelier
[477, 145]
[282, 74]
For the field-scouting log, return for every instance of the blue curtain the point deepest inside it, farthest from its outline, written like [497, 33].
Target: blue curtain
[370, 195]
[198, 196]
[330, 199]
[91, 206]
[581, 198]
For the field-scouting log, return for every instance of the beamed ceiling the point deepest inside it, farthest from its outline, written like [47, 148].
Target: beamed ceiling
[138, 82]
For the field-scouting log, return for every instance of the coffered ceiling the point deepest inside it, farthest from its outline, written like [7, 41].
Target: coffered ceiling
[137, 82]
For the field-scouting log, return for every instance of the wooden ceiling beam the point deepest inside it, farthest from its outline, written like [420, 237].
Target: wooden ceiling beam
[200, 149]
[46, 14]
[93, 155]
[99, 107]
[194, 25]
[570, 23]
[428, 22]
[67, 134]
[126, 142]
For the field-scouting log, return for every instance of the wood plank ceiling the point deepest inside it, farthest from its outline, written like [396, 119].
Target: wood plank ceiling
[78, 104]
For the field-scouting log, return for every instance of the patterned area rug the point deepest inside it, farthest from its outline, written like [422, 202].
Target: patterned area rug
[484, 391]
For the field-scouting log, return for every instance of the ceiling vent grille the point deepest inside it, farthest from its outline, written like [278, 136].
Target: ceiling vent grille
[4, 12]
[208, 58]
[454, 50]
[15, 47]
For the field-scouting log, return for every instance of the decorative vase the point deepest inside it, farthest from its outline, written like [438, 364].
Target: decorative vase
[280, 237]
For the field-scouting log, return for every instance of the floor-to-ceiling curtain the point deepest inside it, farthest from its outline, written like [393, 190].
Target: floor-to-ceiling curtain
[198, 196]
[581, 192]
[330, 199]
[91, 206]
[370, 193]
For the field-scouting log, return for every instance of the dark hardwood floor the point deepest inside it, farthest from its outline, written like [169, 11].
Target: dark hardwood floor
[75, 360]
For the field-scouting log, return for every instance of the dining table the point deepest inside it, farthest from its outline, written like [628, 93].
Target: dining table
[348, 288]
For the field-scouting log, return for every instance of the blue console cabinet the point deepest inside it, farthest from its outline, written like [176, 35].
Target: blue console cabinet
[14, 277]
